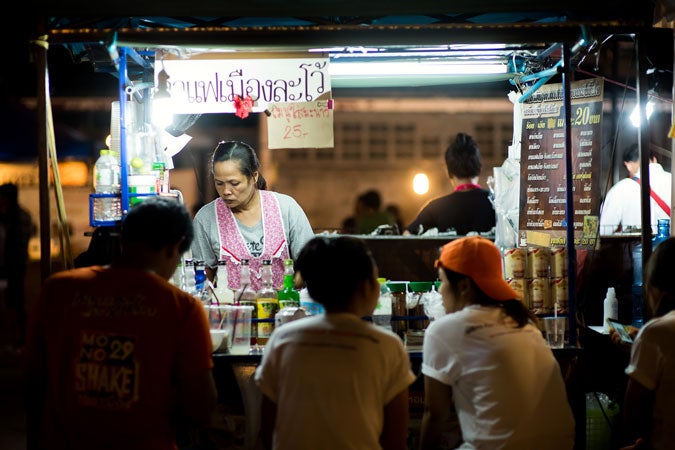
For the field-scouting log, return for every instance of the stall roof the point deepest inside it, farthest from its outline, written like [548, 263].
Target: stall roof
[514, 27]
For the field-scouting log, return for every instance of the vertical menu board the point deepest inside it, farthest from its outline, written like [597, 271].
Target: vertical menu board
[543, 199]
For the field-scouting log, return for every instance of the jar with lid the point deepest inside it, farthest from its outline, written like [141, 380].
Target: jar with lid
[399, 323]
[415, 304]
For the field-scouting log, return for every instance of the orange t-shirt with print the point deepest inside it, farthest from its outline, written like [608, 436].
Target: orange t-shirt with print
[113, 342]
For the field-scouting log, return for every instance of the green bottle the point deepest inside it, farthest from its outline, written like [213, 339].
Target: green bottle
[288, 295]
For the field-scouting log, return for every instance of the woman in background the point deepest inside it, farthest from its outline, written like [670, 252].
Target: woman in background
[468, 207]
[246, 221]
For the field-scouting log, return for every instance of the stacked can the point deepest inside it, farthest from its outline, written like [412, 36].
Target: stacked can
[559, 279]
[539, 285]
[539, 274]
[514, 270]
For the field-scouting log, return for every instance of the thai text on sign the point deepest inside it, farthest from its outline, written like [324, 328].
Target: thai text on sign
[211, 85]
[300, 125]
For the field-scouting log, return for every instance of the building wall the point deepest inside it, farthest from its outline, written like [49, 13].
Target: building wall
[384, 151]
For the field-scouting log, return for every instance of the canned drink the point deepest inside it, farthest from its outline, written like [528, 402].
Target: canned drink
[540, 295]
[558, 262]
[559, 294]
[538, 259]
[514, 262]
[519, 285]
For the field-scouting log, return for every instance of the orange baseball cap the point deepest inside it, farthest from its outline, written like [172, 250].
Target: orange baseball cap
[479, 259]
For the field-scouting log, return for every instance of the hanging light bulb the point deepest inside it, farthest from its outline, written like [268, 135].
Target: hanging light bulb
[162, 107]
[421, 183]
[635, 115]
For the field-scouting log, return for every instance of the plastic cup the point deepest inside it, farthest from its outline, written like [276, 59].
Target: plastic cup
[555, 328]
[220, 332]
[239, 321]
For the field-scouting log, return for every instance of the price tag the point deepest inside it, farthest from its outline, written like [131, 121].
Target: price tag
[300, 125]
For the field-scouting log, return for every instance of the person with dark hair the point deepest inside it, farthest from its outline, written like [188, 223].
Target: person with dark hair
[16, 229]
[116, 356]
[488, 356]
[647, 406]
[103, 248]
[369, 215]
[335, 381]
[622, 208]
[468, 207]
[246, 221]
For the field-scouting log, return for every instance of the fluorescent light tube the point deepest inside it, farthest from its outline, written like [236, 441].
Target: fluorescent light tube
[346, 69]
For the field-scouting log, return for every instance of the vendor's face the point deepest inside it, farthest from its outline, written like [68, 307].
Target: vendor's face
[450, 300]
[232, 185]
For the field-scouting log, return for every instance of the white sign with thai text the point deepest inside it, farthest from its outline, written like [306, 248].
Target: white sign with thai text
[210, 85]
[300, 125]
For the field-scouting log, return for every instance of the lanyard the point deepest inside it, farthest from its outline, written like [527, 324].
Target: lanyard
[467, 186]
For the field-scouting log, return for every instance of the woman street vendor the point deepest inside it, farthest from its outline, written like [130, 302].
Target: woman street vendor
[246, 221]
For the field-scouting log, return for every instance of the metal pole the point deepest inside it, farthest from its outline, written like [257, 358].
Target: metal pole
[569, 197]
[643, 143]
[39, 50]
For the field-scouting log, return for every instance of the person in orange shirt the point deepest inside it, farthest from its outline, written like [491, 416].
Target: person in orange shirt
[116, 354]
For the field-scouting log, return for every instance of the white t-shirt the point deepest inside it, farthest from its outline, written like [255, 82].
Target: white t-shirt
[623, 205]
[331, 376]
[507, 385]
[652, 364]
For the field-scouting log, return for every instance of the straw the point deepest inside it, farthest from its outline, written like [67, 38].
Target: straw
[209, 285]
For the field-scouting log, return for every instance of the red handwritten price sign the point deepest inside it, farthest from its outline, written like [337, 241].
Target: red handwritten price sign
[300, 125]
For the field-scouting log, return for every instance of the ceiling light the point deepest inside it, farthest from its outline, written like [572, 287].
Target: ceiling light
[397, 68]
[635, 115]
[162, 108]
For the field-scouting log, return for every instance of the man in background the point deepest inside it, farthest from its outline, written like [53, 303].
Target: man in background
[16, 229]
[369, 214]
[621, 210]
[116, 356]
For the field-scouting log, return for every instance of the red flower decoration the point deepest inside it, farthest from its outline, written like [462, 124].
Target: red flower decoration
[243, 106]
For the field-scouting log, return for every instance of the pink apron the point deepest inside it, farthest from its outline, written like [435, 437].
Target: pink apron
[233, 248]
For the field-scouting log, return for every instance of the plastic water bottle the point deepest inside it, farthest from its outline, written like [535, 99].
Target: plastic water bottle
[636, 288]
[107, 181]
[382, 313]
[663, 232]
[610, 308]
[200, 275]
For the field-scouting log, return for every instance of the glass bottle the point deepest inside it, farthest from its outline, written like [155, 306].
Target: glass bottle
[267, 303]
[188, 282]
[246, 295]
[222, 291]
[288, 295]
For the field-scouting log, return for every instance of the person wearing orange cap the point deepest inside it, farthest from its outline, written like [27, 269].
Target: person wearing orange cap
[488, 356]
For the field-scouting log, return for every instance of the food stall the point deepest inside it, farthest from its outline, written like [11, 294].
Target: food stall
[535, 45]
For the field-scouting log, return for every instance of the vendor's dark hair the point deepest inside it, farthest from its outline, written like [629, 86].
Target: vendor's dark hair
[158, 222]
[245, 157]
[334, 268]
[462, 158]
[513, 308]
[659, 274]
